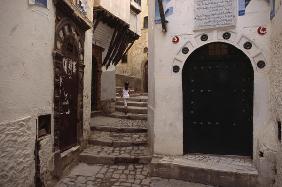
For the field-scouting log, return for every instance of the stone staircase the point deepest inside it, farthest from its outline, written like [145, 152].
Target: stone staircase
[137, 107]
[119, 142]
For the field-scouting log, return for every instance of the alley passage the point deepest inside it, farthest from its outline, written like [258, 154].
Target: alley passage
[117, 155]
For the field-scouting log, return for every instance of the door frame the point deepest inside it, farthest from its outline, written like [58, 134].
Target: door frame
[198, 57]
[261, 107]
[77, 36]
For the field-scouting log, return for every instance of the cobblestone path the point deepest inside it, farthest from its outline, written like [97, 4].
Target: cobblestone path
[108, 175]
[117, 156]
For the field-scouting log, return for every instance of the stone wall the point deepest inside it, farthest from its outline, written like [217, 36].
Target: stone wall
[17, 157]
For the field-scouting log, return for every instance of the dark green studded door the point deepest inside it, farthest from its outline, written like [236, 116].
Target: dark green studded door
[218, 101]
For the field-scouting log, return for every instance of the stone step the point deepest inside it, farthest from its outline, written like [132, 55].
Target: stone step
[207, 169]
[117, 139]
[132, 103]
[119, 129]
[128, 116]
[144, 94]
[115, 155]
[133, 109]
[103, 123]
[136, 99]
[96, 113]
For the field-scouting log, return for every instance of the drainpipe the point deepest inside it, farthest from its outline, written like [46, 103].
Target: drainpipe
[162, 14]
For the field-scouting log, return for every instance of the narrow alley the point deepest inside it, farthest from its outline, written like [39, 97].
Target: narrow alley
[141, 93]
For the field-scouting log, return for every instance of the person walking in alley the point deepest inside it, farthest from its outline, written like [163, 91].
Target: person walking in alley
[125, 95]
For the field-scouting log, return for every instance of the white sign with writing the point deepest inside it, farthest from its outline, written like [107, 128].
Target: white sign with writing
[214, 13]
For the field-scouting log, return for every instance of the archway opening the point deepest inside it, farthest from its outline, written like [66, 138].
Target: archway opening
[218, 86]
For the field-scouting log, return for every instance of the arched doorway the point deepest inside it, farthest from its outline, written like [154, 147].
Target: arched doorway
[68, 84]
[145, 77]
[218, 84]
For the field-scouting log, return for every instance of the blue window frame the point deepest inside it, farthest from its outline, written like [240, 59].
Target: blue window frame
[41, 2]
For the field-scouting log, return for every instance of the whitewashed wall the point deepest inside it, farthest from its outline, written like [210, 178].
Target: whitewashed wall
[87, 74]
[27, 86]
[26, 73]
[119, 8]
[276, 81]
[165, 87]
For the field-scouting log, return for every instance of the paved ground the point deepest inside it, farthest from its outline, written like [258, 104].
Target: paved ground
[132, 175]
[125, 139]
[105, 151]
[117, 141]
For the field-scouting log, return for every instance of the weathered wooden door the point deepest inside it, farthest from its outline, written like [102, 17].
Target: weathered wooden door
[68, 59]
[68, 102]
[218, 101]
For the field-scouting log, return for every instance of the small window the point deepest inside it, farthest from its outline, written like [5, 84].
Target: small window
[41, 2]
[124, 59]
[44, 125]
[145, 25]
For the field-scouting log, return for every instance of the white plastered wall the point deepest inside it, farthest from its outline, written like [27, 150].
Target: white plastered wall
[26, 88]
[276, 81]
[87, 74]
[119, 8]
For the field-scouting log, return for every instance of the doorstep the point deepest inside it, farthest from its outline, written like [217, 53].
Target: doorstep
[224, 171]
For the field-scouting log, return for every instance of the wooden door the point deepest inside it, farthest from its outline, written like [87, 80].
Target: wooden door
[218, 101]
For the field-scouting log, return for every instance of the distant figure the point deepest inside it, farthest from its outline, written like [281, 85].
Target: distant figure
[125, 95]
